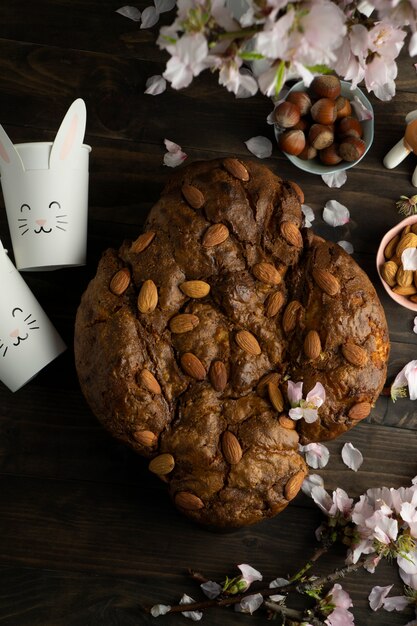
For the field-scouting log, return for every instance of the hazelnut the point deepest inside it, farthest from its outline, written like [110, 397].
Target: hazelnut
[349, 127]
[292, 141]
[287, 114]
[324, 111]
[308, 153]
[321, 136]
[301, 100]
[343, 107]
[327, 86]
[302, 124]
[330, 155]
[352, 148]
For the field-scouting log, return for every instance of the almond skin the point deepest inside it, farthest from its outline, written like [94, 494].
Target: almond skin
[218, 375]
[192, 366]
[195, 288]
[267, 273]
[120, 282]
[148, 297]
[193, 196]
[326, 281]
[236, 169]
[354, 354]
[312, 345]
[275, 396]
[248, 342]
[148, 380]
[162, 464]
[287, 423]
[183, 323]
[274, 303]
[142, 242]
[215, 235]
[231, 448]
[145, 437]
[293, 486]
[360, 411]
[291, 234]
[188, 501]
[389, 272]
[290, 317]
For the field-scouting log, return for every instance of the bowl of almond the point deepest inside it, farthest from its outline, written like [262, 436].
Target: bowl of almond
[397, 253]
[326, 127]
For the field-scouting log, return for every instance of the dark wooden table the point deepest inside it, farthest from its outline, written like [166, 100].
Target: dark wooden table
[87, 534]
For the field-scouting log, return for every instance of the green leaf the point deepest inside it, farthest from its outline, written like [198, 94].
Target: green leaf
[251, 56]
[319, 69]
[280, 75]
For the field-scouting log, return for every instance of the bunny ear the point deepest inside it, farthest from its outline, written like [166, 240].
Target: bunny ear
[70, 136]
[9, 157]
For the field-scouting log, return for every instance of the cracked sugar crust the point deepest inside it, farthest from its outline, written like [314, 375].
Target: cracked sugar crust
[176, 341]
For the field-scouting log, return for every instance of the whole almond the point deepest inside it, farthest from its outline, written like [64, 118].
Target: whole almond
[248, 342]
[286, 422]
[290, 317]
[275, 396]
[145, 437]
[360, 411]
[188, 501]
[409, 240]
[326, 281]
[391, 247]
[404, 277]
[193, 196]
[120, 282]
[312, 345]
[274, 303]
[354, 354]
[148, 297]
[291, 234]
[162, 464]
[293, 486]
[271, 377]
[218, 375]
[231, 448]
[215, 235]
[192, 366]
[298, 190]
[142, 242]
[405, 291]
[149, 381]
[389, 272]
[236, 169]
[195, 288]
[267, 273]
[183, 323]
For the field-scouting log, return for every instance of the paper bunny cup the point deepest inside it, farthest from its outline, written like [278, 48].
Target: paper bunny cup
[45, 189]
[28, 340]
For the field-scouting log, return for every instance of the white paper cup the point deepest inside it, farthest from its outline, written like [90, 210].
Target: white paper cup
[45, 189]
[28, 340]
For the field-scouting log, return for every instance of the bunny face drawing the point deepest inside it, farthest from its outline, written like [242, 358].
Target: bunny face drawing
[45, 189]
[21, 326]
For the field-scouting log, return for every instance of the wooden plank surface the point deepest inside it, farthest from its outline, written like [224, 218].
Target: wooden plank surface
[87, 535]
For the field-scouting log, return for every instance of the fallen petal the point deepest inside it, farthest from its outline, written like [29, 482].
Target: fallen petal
[194, 615]
[132, 13]
[211, 589]
[337, 179]
[155, 85]
[335, 214]
[260, 146]
[160, 609]
[396, 603]
[150, 16]
[415, 325]
[409, 259]
[175, 156]
[322, 499]
[164, 5]
[308, 215]
[313, 480]
[346, 245]
[362, 113]
[250, 604]
[352, 457]
[316, 455]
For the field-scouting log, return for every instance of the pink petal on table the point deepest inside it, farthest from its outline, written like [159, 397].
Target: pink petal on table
[132, 13]
[155, 85]
[396, 603]
[164, 5]
[337, 179]
[250, 604]
[409, 259]
[335, 214]
[352, 457]
[308, 215]
[346, 245]
[260, 146]
[312, 480]
[316, 455]
[362, 113]
[150, 16]
[194, 615]
[175, 156]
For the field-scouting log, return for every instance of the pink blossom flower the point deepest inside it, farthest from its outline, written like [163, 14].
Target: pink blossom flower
[307, 408]
[340, 616]
[338, 504]
[189, 58]
[249, 575]
[406, 378]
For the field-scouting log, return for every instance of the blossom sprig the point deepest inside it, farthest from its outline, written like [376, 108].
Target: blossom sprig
[407, 206]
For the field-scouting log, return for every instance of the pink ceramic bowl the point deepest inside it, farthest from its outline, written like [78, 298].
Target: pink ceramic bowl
[380, 259]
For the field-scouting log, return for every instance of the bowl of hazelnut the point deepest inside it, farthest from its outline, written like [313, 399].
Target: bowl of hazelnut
[399, 283]
[317, 128]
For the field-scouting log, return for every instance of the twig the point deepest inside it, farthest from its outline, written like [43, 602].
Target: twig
[292, 613]
[330, 578]
[197, 576]
[315, 557]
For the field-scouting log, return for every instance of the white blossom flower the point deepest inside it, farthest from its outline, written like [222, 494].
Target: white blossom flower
[406, 378]
[189, 58]
[308, 408]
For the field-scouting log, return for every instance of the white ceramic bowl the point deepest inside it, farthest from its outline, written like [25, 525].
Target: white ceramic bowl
[314, 166]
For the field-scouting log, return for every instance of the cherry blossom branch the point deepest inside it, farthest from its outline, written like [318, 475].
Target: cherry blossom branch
[338, 573]
[315, 557]
[292, 613]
